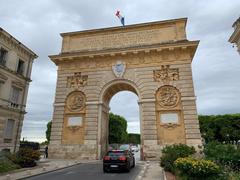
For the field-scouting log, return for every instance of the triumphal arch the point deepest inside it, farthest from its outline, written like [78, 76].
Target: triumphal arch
[152, 60]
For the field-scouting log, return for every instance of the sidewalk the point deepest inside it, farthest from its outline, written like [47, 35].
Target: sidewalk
[151, 171]
[44, 166]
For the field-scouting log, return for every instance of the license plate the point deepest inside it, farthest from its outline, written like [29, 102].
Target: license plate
[114, 166]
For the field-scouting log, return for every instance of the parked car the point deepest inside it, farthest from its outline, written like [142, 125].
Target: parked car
[125, 147]
[135, 148]
[118, 160]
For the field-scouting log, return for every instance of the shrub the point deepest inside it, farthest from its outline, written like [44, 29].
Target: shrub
[196, 169]
[234, 175]
[223, 154]
[171, 153]
[26, 157]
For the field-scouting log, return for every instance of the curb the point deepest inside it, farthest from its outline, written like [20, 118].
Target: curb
[164, 175]
[143, 171]
[45, 172]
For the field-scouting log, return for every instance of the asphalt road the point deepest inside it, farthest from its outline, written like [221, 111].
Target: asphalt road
[90, 171]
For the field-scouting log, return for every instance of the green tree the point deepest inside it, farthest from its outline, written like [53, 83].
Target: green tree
[117, 129]
[48, 131]
[134, 138]
[220, 127]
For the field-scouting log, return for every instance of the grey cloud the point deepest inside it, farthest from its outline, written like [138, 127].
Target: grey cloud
[216, 65]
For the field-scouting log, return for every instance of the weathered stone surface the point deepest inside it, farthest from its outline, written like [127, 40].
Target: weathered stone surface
[159, 74]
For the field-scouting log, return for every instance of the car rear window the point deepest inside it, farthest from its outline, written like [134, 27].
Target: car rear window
[117, 153]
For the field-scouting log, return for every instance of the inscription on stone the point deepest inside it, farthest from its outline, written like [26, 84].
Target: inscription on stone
[122, 39]
[75, 121]
[169, 118]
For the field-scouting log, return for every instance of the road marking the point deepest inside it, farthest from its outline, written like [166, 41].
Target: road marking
[70, 172]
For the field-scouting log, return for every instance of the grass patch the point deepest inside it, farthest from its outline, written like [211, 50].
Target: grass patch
[7, 165]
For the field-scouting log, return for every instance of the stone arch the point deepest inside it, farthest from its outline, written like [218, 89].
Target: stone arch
[116, 86]
[108, 91]
[101, 69]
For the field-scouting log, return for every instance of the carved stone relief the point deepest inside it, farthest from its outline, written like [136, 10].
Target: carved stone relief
[119, 69]
[170, 125]
[76, 101]
[77, 80]
[166, 74]
[168, 96]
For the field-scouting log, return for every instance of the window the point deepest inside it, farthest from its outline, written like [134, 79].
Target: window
[15, 95]
[3, 56]
[9, 128]
[20, 67]
[1, 87]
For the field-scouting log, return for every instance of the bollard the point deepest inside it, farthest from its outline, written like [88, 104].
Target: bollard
[8, 177]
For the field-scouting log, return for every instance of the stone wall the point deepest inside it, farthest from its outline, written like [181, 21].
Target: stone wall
[160, 74]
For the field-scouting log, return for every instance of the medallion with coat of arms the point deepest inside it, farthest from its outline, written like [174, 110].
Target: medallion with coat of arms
[119, 69]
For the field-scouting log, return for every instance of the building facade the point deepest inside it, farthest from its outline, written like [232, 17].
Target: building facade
[15, 71]
[235, 37]
[152, 60]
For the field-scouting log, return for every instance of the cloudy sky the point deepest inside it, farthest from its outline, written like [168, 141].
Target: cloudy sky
[216, 65]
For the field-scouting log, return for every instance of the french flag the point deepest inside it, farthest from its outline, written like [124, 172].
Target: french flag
[121, 18]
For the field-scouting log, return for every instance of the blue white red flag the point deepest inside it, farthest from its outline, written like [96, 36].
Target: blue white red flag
[121, 18]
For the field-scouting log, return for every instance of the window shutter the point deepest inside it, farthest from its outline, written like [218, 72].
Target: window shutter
[9, 129]
[15, 95]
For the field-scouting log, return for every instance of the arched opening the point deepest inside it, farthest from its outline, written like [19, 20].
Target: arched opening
[121, 98]
[125, 104]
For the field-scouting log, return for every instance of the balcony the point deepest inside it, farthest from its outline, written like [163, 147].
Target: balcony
[11, 105]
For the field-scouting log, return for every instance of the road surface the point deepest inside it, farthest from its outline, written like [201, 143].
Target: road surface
[89, 171]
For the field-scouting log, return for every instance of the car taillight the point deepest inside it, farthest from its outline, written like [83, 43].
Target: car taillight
[122, 158]
[106, 158]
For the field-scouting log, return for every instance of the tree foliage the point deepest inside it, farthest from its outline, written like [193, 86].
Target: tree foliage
[48, 131]
[224, 154]
[117, 129]
[220, 127]
[29, 144]
[134, 138]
